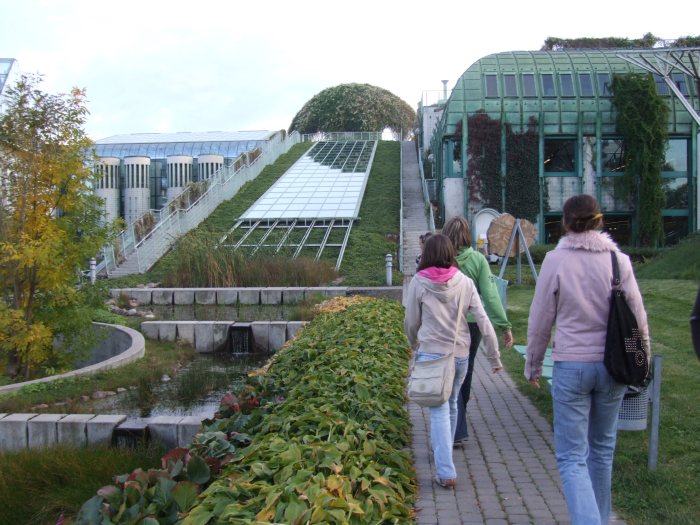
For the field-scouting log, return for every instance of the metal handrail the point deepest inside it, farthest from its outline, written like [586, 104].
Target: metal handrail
[145, 260]
[400, 256]
[426, 194]
[341, 136]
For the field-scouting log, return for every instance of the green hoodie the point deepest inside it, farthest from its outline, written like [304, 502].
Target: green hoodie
[475, 266]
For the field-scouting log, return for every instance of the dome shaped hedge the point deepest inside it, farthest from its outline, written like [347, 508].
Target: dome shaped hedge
[354, 107]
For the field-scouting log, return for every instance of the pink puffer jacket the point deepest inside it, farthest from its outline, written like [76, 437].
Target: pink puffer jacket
[573, 291]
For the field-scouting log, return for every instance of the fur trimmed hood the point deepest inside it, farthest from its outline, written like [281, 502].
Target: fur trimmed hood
[591, 240]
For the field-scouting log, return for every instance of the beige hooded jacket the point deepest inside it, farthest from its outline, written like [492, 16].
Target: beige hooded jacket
[431, 317]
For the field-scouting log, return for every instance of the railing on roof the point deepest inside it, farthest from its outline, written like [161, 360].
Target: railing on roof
[426, 192]
[172, 221]
[341, 136]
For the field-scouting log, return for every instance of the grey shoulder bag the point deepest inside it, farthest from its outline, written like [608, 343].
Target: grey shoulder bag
[430, 383]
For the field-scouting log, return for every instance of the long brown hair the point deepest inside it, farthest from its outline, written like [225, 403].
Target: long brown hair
[581, 213]
[438, 251]
[458, 230]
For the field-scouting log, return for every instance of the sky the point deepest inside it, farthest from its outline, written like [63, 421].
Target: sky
[153, 66]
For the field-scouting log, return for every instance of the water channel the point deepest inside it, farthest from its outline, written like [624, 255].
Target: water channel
[196, 388]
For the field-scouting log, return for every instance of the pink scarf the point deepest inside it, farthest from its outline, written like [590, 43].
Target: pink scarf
[439, 275]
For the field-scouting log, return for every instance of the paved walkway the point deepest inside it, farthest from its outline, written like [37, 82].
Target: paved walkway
[415, 218]
[506, 471]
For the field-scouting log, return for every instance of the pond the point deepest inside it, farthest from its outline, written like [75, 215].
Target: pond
[195, 390]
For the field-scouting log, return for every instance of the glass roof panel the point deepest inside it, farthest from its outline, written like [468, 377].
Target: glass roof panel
[160, 145]
[317, 185]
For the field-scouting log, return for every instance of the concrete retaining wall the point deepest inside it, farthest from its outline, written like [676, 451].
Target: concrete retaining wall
[233, 296]
[26, 431]
[210, 336]
[225, 296]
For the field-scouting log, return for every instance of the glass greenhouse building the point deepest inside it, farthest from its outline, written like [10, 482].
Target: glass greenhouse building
[143, 171]
[537, 127]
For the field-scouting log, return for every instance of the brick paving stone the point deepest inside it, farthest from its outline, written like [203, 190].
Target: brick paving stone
[507, 473]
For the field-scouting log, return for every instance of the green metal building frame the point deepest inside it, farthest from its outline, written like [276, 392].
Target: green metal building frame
[568, 92]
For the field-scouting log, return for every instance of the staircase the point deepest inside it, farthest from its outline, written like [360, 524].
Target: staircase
[139, 257]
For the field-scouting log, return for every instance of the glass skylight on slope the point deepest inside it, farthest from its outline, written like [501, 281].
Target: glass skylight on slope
[327, 182]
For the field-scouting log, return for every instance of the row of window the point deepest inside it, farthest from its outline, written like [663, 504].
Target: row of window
[619, 226]
[137, 176]
[162, 150]
[560, 156]
[179, 174]
[108, 176]
[551, 85]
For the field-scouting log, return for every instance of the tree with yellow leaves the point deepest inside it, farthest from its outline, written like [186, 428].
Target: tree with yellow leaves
[50, 224]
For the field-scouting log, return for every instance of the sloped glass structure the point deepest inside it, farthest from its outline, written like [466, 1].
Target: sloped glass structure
[312, 206]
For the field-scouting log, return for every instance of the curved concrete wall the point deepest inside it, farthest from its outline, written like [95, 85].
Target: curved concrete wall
[123, 345]
[207, 165]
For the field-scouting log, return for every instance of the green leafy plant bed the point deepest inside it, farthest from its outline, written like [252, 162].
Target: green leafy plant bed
[317, 436]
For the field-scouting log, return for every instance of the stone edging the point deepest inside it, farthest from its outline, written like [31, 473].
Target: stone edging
[22, 431]
[247, 295]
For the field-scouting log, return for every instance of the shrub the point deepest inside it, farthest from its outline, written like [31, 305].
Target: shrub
[330, 430]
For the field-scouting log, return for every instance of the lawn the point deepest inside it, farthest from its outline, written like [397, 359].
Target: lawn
[640, 496]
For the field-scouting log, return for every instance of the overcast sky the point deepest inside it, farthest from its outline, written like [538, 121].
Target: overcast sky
[230, 65]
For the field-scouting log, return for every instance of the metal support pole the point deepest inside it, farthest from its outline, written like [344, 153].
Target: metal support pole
[389, 266]
[93, 272]
[655, 413]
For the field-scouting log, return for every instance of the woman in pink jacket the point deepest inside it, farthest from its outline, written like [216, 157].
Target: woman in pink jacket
[432, 309]
[573, 290]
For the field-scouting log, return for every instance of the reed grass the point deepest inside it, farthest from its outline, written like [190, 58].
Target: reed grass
[198, 261]
[39, 486]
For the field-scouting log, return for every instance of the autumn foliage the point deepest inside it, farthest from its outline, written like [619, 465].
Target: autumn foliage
[50, 224]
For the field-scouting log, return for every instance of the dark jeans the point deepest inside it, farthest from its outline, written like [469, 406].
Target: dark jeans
[462, 431]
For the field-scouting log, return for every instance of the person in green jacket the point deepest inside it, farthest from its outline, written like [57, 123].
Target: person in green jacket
[475, 266]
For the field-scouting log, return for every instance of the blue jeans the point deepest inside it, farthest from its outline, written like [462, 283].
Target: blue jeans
[586, 406]
[443, 420]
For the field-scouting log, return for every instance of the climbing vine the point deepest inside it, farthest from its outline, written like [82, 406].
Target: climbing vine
[484, 180]
[522, 181]
[642, 117]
